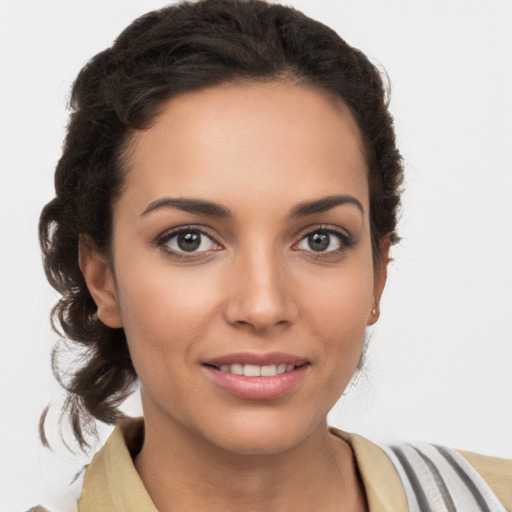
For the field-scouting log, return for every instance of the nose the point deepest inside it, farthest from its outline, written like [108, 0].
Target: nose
[259, 294]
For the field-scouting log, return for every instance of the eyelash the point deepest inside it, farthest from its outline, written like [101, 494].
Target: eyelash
[345, 239]
[164, 239]
[346, 242]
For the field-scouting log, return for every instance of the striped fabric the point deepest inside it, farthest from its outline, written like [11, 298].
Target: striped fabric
[438, 479]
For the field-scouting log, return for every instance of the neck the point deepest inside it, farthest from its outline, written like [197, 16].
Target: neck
[182, 471]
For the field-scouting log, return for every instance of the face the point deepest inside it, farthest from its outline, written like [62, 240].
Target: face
[241, 244]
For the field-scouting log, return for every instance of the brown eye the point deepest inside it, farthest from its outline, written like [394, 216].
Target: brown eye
[319, 241]
[325, 240]
[189, 242]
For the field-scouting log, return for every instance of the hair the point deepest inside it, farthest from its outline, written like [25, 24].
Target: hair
[181, 48]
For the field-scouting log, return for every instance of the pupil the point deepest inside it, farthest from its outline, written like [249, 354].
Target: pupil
[319, 241]
[189, 241]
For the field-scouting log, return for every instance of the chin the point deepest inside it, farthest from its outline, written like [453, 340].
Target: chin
[261, 434]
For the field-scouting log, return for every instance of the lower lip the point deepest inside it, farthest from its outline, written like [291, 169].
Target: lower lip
[258, 388]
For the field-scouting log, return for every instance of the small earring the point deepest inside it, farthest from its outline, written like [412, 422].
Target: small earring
[374, 310]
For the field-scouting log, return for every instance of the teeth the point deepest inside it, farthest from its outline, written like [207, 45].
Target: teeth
[237, 369]
[269, 371]
[281, 368]
[253, 370]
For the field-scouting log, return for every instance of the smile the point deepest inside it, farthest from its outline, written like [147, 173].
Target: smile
[253, 370]
[253, 376]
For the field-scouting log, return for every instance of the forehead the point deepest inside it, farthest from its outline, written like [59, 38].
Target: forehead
[266, 139]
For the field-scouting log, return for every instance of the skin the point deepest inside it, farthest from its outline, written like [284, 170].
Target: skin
[255, 285]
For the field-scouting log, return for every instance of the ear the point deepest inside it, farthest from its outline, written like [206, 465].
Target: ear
[100, 281]
[379, 279]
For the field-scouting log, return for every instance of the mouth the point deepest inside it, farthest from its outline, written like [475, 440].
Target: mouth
[253, 370]
[257, 376]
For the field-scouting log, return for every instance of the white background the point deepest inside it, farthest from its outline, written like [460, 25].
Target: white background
[441, 355]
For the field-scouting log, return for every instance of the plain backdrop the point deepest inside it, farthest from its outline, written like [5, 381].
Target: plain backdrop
[440, 358]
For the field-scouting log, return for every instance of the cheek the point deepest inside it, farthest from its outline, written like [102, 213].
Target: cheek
[338, 312]
[165, 311]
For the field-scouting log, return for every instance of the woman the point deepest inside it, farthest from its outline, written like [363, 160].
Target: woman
[225, 205]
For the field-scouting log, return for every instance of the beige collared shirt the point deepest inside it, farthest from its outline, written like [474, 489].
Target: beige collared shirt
[112, 484]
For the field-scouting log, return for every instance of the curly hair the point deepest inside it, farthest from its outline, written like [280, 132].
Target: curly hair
[181, 48]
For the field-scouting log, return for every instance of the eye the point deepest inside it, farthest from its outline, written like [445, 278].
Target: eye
[325, 241]
[189, 241]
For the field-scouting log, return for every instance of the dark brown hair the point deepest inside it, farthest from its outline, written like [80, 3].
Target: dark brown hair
[184, 47]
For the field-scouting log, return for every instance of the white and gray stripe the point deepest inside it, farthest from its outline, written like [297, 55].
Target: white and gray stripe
[438, 479]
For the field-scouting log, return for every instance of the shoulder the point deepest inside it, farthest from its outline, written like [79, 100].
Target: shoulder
[436, 476]
[497, 472]
[420, 477]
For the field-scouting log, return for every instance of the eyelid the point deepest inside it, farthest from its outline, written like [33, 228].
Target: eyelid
[346, 239]
[330, 228]
[167, 235]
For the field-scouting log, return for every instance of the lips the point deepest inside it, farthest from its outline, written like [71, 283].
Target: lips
[257, 376]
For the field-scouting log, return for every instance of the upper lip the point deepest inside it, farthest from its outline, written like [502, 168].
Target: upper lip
[258, 359]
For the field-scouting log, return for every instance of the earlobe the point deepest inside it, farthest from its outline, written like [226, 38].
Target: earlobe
[380, 277]
[98, 275]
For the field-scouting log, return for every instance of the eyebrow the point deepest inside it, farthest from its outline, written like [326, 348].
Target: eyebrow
[210, 208]
[189, 205]
[324, 204]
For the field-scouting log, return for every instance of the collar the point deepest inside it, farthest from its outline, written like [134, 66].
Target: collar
[381, 482]
[112, 484]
